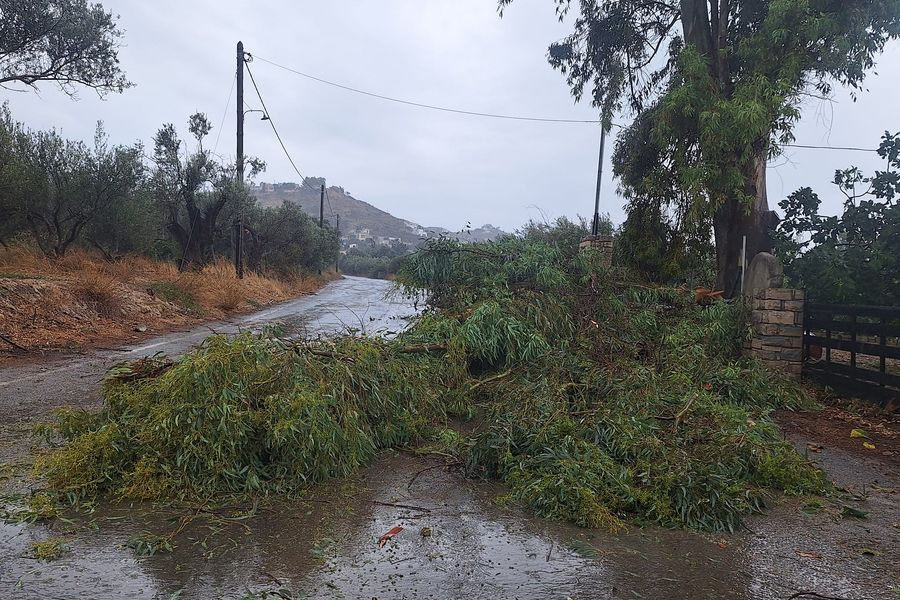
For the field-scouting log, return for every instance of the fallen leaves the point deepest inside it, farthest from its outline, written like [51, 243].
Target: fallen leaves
[390, 533]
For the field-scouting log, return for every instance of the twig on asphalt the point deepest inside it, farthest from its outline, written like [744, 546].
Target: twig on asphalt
[814, 595]
[409, 506]
[429, 468]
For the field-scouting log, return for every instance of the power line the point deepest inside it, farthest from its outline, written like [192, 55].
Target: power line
[849, 148]
[224, 113]
[277, 135]
[472, 113]
[504, 116]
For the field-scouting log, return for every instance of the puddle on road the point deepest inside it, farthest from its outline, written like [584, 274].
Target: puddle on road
[327, 547]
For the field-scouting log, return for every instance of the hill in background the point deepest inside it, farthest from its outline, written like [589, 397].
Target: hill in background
[360, 221]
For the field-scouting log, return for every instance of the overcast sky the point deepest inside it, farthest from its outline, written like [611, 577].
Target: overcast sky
[430, 167]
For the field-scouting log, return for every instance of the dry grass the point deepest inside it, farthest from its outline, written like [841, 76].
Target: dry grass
[82, 298]
[100, 292]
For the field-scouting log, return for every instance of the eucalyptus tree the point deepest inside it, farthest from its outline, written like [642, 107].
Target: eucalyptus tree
[721, 82]
[67, 42]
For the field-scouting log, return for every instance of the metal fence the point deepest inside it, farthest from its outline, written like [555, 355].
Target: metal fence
[853, 348]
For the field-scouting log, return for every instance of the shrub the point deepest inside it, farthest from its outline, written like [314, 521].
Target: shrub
[99, 292]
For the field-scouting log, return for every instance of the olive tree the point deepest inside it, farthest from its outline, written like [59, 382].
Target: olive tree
[66, 185]
[193, 190]
[67, 42]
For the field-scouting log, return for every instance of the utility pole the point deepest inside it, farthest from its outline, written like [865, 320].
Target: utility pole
[595, 226]
[322, 206]
[337, 258]
[239, 163]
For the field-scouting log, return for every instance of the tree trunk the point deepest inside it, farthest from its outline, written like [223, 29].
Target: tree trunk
[696, 27]
[736, 219]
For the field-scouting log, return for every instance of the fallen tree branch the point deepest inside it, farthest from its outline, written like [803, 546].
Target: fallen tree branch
[455, 463]
[678, 416]
[423, 348]
[298, 348]
[329, 354]
[490, 379]
[12, 343]
[683, 411]
[418, 348]
[141, 369]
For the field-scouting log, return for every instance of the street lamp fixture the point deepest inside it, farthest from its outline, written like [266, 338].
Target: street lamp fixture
[264, 117]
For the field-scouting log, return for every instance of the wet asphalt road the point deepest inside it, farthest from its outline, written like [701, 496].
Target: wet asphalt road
[31, 389]
[457, 540]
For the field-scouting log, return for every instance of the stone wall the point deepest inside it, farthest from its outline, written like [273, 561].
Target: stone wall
[603, 243]
[777, 320]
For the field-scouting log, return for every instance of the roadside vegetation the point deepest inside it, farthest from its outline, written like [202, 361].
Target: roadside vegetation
[84, 299]
[597, 398]
[180, 205]
[853, 257]
[120, 240]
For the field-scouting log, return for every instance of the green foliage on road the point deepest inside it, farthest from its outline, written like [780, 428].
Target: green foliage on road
[597, 399]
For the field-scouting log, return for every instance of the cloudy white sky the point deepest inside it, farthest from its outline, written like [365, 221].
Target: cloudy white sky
[430, 167]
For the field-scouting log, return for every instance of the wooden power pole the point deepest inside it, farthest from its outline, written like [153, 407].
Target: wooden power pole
[337, 258]
[239, 164]
[322, 206]
[595, 225]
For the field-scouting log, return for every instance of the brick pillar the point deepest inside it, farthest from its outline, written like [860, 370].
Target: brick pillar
[777, 320]
[601, 243]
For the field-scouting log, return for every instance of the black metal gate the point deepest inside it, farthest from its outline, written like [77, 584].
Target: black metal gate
[853, 348]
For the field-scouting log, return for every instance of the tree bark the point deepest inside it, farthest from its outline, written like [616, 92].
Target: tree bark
[736, 219]
[695, 23]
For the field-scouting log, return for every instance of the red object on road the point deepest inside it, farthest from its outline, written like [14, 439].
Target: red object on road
[393, 531]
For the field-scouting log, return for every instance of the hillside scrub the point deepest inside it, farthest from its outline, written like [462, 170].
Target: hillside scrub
[81, 298]
[597, 399]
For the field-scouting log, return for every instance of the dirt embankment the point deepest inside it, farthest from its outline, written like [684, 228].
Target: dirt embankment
[82, 300]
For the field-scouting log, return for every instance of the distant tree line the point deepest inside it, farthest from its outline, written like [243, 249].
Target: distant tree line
[374, 261]
[181, 203]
